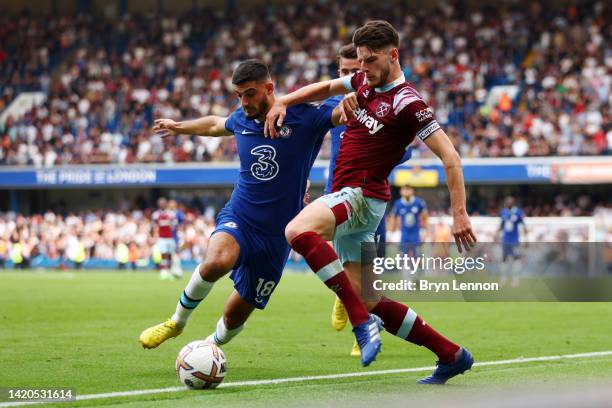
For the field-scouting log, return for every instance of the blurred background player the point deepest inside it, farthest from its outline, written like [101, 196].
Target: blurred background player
[409, 216]
[348, 65]
[165, 222]
[512, 222]
[179, 216]
[271, 190]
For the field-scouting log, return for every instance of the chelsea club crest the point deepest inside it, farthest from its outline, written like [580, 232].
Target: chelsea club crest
[285, 131]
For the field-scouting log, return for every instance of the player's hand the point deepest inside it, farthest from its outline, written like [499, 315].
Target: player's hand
[464, 236]
[275, 118]
[165, 127]
[347, 107]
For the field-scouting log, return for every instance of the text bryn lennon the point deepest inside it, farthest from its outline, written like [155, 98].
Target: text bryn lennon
[425, 285]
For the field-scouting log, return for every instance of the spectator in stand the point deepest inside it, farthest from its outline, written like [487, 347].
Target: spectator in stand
[4, 252]
[133, 255]
[117, 75]
[122, 254]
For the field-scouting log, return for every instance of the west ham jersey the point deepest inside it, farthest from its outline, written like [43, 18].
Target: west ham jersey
[385, 123]
[165, 221]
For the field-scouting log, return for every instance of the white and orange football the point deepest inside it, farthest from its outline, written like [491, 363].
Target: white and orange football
[201, 365]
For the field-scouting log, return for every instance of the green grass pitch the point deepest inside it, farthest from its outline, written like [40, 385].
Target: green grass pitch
[80, 330]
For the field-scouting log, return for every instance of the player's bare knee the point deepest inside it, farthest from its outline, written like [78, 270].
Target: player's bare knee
[214, 267]
[218, 263]
[293, 229]
[302, 224]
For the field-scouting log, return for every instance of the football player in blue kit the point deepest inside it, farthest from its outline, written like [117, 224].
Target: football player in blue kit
[409, 215]
[249, 237]
[512, 220]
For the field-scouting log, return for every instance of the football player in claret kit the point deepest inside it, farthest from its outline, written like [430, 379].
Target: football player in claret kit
[249, 237]
[165, 222]
[388, 115]
[347, 65]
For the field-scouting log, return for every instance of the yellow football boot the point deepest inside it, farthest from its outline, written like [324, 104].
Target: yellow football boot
[156, 335]
[339, 315]
[355, 352]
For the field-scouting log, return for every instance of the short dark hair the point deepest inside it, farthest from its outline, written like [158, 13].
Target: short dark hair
[250, 70]
[347, 51]
[376, 35]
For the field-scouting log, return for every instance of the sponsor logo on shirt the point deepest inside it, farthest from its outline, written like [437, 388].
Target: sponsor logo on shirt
[372, 124]
[424, 114]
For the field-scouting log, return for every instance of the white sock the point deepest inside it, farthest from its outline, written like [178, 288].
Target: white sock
[223, 335]
[177, 270]
[197, 289]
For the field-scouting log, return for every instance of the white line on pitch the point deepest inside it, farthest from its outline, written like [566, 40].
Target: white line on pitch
[519, 360]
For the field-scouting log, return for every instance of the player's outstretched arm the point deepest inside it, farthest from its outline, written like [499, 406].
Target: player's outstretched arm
[310, 93]
[440, 144]
[204, 126]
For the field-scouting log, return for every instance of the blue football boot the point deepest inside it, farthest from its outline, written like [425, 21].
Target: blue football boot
[446, 371]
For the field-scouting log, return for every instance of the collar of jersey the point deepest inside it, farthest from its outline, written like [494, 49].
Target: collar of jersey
[408, 201]
[392, 85]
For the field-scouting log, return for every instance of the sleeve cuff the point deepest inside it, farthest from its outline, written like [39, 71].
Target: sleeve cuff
[346, 81]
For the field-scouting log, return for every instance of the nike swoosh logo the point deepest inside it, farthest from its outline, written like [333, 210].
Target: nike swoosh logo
[246, 132]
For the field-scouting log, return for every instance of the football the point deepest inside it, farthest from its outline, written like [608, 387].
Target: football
[201, 365]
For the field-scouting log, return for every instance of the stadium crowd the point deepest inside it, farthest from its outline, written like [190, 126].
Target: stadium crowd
[106, 79]
[106, 234]
[98, 234]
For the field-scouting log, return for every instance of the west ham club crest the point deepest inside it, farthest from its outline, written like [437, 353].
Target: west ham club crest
[382, 109]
